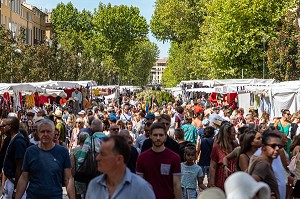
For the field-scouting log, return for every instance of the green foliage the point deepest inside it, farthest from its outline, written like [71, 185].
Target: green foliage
[283, 53]
[160, 96]
[109, 46]
[177, 20]
[234, 32]
[228, 36]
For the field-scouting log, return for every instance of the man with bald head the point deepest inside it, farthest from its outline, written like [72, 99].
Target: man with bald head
[96, 139]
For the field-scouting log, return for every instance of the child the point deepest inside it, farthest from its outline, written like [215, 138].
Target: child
[191, 173]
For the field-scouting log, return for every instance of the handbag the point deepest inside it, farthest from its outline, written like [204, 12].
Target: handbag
[293, 164]
[88, 169]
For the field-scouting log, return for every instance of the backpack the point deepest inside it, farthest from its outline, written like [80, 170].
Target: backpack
[181, 121]
[88, 169]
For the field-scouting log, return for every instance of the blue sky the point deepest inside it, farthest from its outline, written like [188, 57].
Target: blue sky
[146, 8]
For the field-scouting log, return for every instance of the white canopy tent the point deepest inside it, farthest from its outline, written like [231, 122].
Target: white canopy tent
[222, 82]
[64, 84]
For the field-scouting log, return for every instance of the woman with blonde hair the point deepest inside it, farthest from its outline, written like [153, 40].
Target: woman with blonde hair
[79, 125]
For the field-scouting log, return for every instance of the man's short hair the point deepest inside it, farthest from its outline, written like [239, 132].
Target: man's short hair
[157, 125]
[164, 116]
[45, 121]
[267, 134]
[179, 133]
[14, 123]
[96, 126]
[121, 146]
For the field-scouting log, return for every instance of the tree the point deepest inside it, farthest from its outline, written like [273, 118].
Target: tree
[177, 20]
[122, 27]
[233, 32]
[140, 59]
[5, 51]
[283, 53]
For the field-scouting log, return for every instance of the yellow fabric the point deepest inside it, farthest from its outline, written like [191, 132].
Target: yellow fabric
[30, 101]
[96, 91]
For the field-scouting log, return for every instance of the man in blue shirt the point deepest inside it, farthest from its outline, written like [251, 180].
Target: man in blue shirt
[117, 181]
[14, 155]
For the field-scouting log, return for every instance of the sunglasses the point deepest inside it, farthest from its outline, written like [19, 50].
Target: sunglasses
[275, 145]
[78, 122]
[114, 129]
[56, 134]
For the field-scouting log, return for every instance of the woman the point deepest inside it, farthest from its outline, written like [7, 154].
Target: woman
[284, 126]
[250, 142]
[45, 167]
[224, 144]
[79, 125]
[80, 188]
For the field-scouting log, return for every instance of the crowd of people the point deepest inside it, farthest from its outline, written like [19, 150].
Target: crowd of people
[128, 149]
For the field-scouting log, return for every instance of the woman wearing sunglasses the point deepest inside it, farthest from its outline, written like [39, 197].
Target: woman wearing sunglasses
[79, 125]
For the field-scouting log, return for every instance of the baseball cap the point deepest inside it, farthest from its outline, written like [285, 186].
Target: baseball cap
[150, 116]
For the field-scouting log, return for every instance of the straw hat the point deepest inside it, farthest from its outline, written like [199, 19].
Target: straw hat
[58, 113]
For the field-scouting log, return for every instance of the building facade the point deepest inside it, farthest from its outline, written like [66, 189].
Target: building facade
[17, 15]
[158, 69]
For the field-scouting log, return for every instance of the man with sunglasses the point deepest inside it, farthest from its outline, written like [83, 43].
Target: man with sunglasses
[261, 167]
[114, 129]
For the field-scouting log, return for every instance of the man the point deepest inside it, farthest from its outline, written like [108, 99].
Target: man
[169, 142]
[141, 139]
[261, 167]
[34, 137]
[60, 125]
[215, 116]
[150, 117]
[78, 95]
[126, 115]
[160, 166]
[15, 152]
[117, 181]
[250, 122]
[45, 166]
[114, 129]
[98, 135]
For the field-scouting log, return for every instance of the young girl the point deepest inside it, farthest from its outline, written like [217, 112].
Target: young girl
[191, 173]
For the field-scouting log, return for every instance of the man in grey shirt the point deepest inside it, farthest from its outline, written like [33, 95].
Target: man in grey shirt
[117, 181]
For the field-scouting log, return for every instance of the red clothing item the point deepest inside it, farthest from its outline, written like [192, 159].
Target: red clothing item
[217, 156]
[198, 109]
[62, 101]
[158, 169]
[43, 99]
[36, 99]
